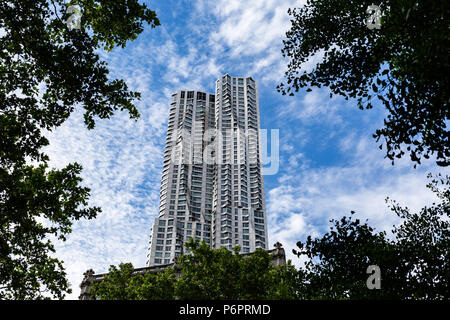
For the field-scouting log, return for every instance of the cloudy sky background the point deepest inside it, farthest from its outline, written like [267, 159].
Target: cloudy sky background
[329, 162]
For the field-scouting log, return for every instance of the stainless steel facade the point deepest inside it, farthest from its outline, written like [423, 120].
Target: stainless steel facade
[212, 186]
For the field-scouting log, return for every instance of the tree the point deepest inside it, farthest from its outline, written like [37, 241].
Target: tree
[413, 265]
[286, 282]
[210, 274]
[47, 69]
[122, 284]
[203, 274]
[337, 263]
[35, 204]
[404, 64]
[424, 239]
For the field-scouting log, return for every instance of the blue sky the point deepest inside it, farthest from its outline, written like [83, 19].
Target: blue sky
[329, 162]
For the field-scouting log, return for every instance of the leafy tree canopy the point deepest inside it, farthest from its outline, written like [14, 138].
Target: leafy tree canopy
[47, 69]
[123, 284]
[414, 264]
[404, 64]
[204, 274]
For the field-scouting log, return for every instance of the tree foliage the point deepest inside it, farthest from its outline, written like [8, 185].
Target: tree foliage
[47, 70]
[337, 263]
[204, 274]
[35, 204]
[424, 237]
[404, 65]
[122, 284]
[209, 274]
[414, 264]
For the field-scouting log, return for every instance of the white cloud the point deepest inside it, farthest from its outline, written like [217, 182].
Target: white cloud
[313, 108]
[250, 27]
[248, 33]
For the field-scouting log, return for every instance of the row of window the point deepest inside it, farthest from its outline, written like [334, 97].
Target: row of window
[200, 95]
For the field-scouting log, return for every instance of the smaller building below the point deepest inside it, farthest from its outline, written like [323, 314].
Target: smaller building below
[278, 258]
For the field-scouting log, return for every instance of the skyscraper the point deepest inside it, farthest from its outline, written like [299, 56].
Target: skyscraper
[212, 185]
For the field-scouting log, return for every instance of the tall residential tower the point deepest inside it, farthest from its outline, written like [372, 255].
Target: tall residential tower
[212, 186]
